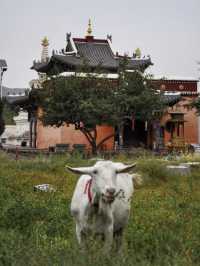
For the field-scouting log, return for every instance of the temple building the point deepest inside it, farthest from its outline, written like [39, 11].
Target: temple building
[95, 53]
[16, 129]
[17, 134]
[177, 127]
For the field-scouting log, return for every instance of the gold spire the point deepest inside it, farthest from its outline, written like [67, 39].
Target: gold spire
[45, 52]
[89, 30]
[138, 53]
[45, 41]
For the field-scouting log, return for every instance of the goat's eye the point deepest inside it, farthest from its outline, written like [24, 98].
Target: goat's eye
[95, 172]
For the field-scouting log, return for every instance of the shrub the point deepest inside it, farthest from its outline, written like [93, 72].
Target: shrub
[153, 169]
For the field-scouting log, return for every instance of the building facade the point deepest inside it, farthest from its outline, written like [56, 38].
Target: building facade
[17, 132]
[69, 60]
[179, 123]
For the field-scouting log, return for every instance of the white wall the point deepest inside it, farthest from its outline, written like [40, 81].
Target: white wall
[14, 134]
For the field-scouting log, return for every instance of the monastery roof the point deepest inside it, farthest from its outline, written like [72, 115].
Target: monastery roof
[14, 95]
[171, 99]
[96, 52]
[13, 92]
[17, 99]
[88, 51]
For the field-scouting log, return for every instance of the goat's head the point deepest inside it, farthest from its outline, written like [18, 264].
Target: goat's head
[104, 178]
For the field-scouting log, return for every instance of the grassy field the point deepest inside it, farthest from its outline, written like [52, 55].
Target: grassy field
[36, 227]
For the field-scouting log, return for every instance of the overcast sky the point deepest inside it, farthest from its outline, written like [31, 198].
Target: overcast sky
[169, 31]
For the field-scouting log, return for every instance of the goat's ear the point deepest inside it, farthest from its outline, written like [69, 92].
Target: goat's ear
[80, 170]
[126, 168]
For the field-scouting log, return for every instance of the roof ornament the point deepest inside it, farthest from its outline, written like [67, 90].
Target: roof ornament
[89, 30]
[109, 37]
[68, 36]
[45, 42]
[138, 53]
[45, 52]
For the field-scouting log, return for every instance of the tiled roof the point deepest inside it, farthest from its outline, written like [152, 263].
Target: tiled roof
[13, 92]
[139, 63]
[94, 52]
[17, 99]
[171, 99]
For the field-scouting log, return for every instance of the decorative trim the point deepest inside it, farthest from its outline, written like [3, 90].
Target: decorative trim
[73, 45]
[111, 47]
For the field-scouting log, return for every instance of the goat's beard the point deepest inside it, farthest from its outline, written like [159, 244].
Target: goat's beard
[101, 203]
[108, 199]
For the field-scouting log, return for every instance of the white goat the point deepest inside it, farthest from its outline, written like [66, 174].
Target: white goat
[101, 200]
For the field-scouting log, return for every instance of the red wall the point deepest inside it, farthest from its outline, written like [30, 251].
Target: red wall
[50, 136]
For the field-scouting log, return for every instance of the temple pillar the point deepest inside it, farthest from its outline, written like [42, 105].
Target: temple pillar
[121, 142]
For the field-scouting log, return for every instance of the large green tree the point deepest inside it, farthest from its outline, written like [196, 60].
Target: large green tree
[93, 100]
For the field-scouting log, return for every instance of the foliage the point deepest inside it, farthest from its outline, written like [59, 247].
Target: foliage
[152, 169]
[9, 112]
[36, 228]
[138, 53]
[196, 104]
[136, 96]
[91, 101]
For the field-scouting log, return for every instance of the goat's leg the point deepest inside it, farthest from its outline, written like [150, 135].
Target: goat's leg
[81, 236]
[108, 236]
[78, 234]
[118, 236]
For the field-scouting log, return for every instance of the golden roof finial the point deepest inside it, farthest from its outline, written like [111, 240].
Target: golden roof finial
[45, 41]
[89, 30]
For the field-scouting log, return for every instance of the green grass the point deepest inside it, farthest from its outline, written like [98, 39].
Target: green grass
[36, 227]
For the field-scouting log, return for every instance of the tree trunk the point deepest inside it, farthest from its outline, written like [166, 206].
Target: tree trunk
[92, 139]
[94, 149]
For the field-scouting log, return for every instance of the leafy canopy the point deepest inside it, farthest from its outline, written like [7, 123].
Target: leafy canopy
[97, 101]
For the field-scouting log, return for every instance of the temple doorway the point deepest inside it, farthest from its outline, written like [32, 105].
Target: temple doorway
[134, 135]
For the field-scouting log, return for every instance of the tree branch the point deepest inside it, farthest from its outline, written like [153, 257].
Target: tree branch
[88, 136]
[95, 133]
[103, 140]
